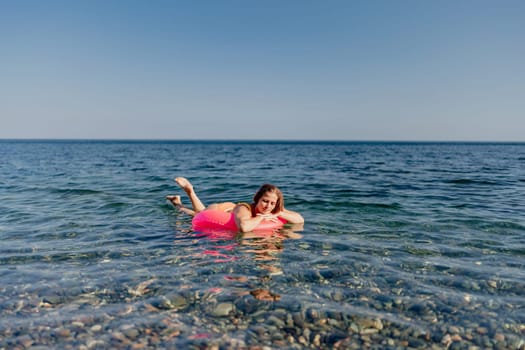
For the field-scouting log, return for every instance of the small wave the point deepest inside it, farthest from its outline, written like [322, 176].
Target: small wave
[461, 206]
[76, 191]
[165, 188]
[376, 205]
[112, 205]
[155, 178]
[25, 257]
[507, 225]
[343, 191]
[463, 181]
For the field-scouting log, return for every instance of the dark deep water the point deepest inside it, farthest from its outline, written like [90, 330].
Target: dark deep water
[417, 245]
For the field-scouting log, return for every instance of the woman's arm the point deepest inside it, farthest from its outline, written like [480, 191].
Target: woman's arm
[244, 220]
[291, 217]
[246, 223]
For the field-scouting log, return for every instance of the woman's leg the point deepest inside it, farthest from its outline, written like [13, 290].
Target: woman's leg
[196, 203]
[225, 207]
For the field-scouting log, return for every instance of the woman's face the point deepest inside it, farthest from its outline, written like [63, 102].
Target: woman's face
[267, 203]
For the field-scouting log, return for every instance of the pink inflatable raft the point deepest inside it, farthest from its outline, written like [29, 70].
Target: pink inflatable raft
[213, 220]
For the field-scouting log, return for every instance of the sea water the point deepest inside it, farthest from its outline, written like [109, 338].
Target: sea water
[416, 245]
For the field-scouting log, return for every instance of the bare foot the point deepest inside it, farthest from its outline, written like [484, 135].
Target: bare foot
[175, 200]
[185, 184]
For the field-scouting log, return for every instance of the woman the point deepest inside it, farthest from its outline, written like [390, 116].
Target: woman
[268, 204]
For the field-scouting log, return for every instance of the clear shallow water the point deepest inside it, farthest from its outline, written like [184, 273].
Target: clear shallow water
[405, 245]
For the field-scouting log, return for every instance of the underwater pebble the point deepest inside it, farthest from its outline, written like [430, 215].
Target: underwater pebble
[96, 328]
[95, 343]
[222, 309]
[63, 332]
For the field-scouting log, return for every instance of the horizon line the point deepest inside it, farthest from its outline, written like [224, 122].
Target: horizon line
[256, 140]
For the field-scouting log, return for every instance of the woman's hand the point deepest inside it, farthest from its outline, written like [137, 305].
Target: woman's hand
[269, 217]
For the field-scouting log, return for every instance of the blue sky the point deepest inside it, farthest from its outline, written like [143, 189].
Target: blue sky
[323, 70]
